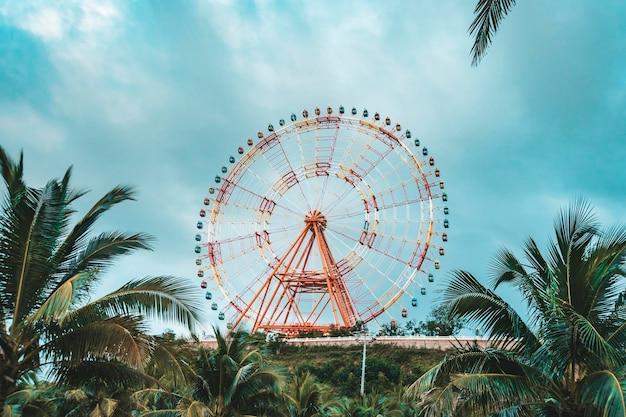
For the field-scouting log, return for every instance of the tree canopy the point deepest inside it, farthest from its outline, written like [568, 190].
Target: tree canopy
[49, 267]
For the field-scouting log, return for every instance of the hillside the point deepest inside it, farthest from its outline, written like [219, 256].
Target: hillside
[340, 366]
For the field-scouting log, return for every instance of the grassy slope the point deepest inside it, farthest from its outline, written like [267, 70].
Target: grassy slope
[340, 367]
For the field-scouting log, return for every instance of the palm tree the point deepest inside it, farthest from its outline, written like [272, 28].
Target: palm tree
[489, 15]
[372, 404]
[565, 356]
[33, 397]
[48, 269]
[304, 395]
[231, 380]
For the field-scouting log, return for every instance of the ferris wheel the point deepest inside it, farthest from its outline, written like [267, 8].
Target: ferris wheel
[322, 222]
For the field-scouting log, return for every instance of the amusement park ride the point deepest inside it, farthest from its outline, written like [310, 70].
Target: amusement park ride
[321, 223]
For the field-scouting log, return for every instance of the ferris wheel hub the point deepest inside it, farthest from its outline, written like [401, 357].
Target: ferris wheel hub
[315, 218]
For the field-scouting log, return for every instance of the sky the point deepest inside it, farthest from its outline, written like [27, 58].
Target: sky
[158, 94]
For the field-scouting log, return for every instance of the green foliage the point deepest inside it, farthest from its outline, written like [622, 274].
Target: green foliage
[232, 380]
[567, 357]
[339, 367]
[440, 322]
[392, 329]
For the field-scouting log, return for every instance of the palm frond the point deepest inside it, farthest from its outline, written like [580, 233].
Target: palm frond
[534, 285]
[489, 393]
[470, 300]
[603, 393]
[489, 14]
[168, 366]
[80, 232]
[575, 228]
[604, 273]
[102, 251]
[598, 352]
[166, 298]
[28, 235]
[121, 338]
[59, 302]
[479, 382]
[194, 409]
[110, 373]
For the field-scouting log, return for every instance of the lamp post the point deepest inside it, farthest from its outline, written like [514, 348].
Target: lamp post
[367, 338]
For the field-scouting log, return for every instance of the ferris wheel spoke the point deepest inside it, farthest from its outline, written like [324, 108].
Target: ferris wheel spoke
[280, 161]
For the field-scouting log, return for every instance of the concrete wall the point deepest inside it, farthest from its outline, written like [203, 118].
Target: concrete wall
[426, 342]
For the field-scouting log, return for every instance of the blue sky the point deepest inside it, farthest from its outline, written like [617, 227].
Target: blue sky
[157, 94]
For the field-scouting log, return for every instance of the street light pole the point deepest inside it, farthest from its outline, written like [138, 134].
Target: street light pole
[366, 339]
[363, 365]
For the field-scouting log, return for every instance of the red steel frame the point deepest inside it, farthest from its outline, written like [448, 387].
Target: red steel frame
[277, 299]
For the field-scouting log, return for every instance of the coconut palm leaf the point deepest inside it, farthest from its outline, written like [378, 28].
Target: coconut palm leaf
[59, 302]
[489, 14]
[167, 365]
[303, 396]
[470, 300]
[604, 393]
[28, 236]
[122, 338]
[163, 297]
